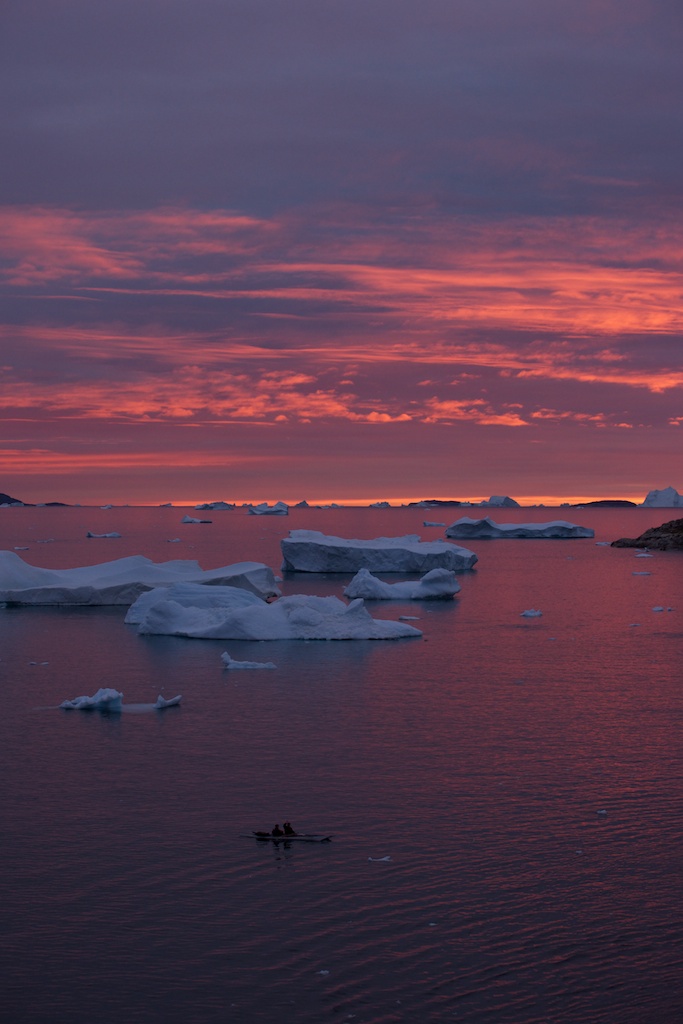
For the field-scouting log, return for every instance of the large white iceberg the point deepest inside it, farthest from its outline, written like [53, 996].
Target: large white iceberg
[120, 581]
[668, 497]
[470, 529]
[299, 617]
[311, 551]
[434, 585]
[264, 509]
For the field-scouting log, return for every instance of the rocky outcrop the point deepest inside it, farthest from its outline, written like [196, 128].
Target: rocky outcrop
[667, 537]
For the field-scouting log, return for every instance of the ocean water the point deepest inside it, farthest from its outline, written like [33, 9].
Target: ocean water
[470, 878]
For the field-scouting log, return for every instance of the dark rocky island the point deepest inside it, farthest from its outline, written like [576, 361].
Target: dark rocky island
[6, 500]
[667, 537]
[606, 503]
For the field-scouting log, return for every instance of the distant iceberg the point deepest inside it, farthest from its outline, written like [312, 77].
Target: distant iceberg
[214, 505]
[191, 519]
[299, 617]
[668, 497]
[434, 585]
[311, 551]
[264, 509]
[470, 529]
[120, 581]
[501, 501]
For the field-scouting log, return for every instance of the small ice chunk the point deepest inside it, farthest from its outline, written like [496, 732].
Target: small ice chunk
[641, 574]
[427, 523]
[658, 608]
[21, 549]
[602, 813]
[531, 613]
[232, 663]
[379, 860]
[161, 702]
[173, 540]
[191, 519]
[102, 536]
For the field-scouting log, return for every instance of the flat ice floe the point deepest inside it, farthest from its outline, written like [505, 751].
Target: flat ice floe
[311, 551]
[171, 612]
[120, 581]
[110, 700]
[232, 663]
[558, 529]
[434, 585]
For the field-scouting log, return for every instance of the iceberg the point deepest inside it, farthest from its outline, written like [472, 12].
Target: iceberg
[311, 551]
[231, 663]
[104, 700]
[264, 509]
[111, 701]
[668, 497]
[191, 519]
[299, 617]
[434, 585]
[120, 581]
[191, 595]
[501, 501]
[214, 505]
[470, 529]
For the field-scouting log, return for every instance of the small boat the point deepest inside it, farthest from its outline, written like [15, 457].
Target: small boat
[301, 837]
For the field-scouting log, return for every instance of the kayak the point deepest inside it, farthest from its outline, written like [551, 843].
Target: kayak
[306, 837]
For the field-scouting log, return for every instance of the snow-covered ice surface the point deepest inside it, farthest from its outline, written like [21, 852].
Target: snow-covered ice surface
[558, 529]
[434, 585]
[191, 595]
[120, 581]
[312, 551]
[298, 617]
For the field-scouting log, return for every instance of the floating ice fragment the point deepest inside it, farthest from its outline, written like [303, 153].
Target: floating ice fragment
[427, 523]
[379, 860]
[171, 703]
[312, 551]
[643, 554]
[531, 613]
[409, 618]
[120, 581]
[658, 608]
[602, 813]
[231, 663]
[603, 544]
[173, 540]
[641, 574]
[438, 584]
[225, 613]
[102, 536]
[323, 972]
[467, 529]
[191, 519]
[106, 699]
[21, 549]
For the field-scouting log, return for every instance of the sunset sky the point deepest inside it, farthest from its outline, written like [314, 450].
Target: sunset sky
[340, 250]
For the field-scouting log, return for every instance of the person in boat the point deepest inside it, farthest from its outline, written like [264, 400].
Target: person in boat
[277, 831]
[289, 831]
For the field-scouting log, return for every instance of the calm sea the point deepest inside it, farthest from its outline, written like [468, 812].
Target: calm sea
[471, 877]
